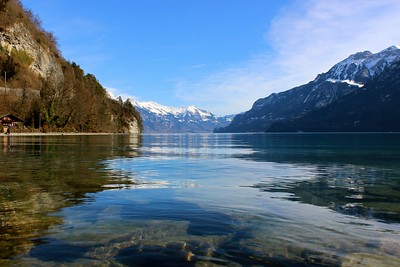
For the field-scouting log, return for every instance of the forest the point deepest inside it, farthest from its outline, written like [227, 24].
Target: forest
[65, 98]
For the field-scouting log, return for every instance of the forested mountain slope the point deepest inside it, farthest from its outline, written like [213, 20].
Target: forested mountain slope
[45, 90]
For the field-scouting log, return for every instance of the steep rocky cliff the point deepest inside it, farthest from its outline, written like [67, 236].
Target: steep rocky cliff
[18, 39]
[46, 91]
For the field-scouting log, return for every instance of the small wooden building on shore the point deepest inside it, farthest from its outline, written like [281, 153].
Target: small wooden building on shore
[8, 121]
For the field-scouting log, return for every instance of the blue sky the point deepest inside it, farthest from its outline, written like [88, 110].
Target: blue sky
[219, 55]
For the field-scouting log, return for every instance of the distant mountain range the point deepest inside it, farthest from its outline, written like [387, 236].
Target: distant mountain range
[360, 93]
[163, 119]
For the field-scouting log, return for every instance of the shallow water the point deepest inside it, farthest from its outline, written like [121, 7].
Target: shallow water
[201, 200]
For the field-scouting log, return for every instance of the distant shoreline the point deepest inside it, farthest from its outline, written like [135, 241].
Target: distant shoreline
[59, 134]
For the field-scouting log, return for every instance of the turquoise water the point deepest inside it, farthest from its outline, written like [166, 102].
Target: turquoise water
[201, 200]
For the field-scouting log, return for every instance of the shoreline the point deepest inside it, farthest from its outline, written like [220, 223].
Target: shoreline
[61, 134]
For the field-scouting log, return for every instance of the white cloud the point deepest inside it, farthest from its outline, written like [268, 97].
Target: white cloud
[308, 37]
[115, 93]
[311, 36]
[230, 90]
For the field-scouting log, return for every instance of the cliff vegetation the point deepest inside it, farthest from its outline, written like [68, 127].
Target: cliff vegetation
[48, 92]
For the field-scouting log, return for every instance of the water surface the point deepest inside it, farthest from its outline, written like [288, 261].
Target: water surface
[201, 200]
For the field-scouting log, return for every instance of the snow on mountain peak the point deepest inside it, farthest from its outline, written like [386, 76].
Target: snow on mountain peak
[156, 108]
[349, 82]
[364, 65]
[161, 110]
[159, 118]
[205, 115]
[192, 109]
[392, 48]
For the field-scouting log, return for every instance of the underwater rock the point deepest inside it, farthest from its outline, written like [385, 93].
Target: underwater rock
[369, 260]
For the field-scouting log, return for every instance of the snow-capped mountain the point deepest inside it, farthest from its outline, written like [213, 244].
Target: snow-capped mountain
[362, 66]
[374, 108]
[346, 77]
[163, 119]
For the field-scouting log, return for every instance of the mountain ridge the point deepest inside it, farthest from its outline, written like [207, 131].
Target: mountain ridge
[345, 77]
[373, 109]
[158, 118]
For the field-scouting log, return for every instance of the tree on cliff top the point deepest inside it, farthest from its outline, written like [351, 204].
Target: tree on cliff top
[74, 102]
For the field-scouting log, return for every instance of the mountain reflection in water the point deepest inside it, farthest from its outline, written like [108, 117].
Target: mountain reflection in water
[355, 174]
[201, 200]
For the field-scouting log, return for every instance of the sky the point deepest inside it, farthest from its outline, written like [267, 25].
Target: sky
[218, 55]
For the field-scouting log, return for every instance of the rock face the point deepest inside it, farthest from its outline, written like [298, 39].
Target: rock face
[346, 77]
[162, 119]
[47, 91]
[134, 127]
[43, 61]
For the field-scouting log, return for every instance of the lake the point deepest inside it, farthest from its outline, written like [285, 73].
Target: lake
[200, 200]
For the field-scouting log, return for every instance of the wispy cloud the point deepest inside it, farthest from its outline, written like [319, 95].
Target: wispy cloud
[310, 36]
[199, 66]
[115, 93]
[307, 38]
